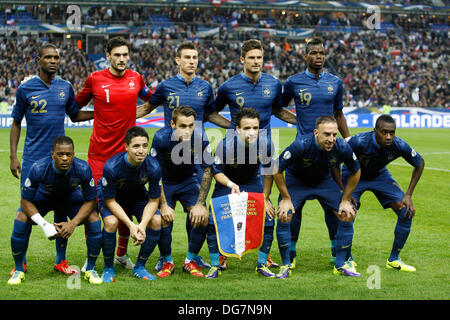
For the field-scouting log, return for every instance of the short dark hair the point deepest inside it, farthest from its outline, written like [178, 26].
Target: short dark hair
[251, 44]
[246, 113]
[62, 140]
[324, 119]
[183, 111]
[384, 118]
[116, 42]
[135, 132]
[45, 46]
[314, 41]
[185, 45]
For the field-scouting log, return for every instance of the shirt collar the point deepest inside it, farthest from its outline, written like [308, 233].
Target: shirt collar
[316, 144]
[57, 171]
[248, 79]
[313, 76]
[182, 79]
[42, 81]
[374, 140]
[125, 157]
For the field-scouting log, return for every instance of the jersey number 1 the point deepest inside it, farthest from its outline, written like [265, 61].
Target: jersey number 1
[107, 95]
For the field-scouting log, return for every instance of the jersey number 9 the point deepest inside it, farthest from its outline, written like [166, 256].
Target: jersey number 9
[240, 101]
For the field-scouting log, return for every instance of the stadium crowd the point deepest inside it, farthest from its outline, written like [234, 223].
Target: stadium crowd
[401, 69]
[405, 66]
[192, 19]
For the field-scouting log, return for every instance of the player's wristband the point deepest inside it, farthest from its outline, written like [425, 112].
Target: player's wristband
[39, 220]
[347, 139]
[230, 184]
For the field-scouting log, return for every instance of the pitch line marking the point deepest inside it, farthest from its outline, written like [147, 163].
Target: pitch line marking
[426, 168]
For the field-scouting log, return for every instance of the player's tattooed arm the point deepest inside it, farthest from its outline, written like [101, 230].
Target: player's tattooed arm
[198, 214]
[286, 116]
[205, 185]
[144, 109]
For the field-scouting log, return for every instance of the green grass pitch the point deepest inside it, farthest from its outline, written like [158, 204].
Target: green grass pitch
[426, 249]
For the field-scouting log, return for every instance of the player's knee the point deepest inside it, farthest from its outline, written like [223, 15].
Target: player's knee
[164, 223]
[155, 223]
[205, 222]
[93, 217]
[110, 223]
[396, 206]
[20, 216]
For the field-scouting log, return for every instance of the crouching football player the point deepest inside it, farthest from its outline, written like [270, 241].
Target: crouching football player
[375, 149]
[63, 184]
[122, 193]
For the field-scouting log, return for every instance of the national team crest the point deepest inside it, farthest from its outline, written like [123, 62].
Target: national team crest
[131, 84]
[330, 89]
[239, 222]
[266, 92]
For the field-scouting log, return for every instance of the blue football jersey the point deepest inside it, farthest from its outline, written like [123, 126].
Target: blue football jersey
[373, 159]
[44, 177]
[305, 160]
[313, 98]
[126, 183]
[178, 160]
[240, 163]
[44, 108]
[175, 92]
[240, 92]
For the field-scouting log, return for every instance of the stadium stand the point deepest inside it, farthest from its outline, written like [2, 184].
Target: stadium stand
[404, 62]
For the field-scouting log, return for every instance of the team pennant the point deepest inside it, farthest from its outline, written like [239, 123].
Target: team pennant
[239, 221]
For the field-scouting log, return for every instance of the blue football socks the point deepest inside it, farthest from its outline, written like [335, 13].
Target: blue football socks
[93, 243]
[283, 232]
[401, 233]
[108, 247]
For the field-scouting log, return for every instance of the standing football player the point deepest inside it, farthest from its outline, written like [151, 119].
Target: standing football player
[255, 89]
[43, 100]
[115, 91]
[316, 93]
[186, 89]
